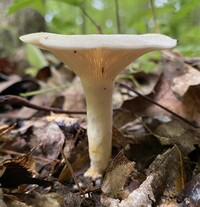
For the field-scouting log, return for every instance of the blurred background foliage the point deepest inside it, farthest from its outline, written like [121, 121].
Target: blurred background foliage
[179, 19]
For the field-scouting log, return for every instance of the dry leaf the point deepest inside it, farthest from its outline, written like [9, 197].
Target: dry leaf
[116, 175]
[48, 140]
[179, 75]
[34, 200]
[184, 80]
[15, 172]
[174, 133]
[168, 173]
[164, 177]
[143, 196]
[74, 97]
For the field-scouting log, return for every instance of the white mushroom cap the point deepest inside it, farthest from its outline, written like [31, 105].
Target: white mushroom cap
[71, 42]
[101, 56]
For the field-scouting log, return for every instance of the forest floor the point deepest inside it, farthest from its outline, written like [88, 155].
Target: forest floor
[156, 138]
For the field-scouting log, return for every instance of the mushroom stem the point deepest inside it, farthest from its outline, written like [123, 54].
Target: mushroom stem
[99, 126]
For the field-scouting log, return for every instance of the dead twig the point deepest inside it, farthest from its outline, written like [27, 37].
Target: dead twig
[156, 29]
[117, 16]
[6, 129]
[10, 152]
[72, 172]
[93, 189]
[12, 99]
[91, 20]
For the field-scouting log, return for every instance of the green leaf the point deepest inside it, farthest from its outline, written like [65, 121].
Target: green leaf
[71, 2]
[21, 4]
[185, 10]
[35, 57]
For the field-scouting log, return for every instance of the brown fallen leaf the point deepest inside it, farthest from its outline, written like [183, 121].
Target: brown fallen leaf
[36, 199]
[48, 139]
[15, 172]
[139, 106]
[174, 132]
[169, 203]
[7, 66]
[168, 172]
[184, 80]
[194, 61]
[164, 180]
[146, 84]
[191, 102]
[75, 99]
[116, 175]
[143, 196]
[179, 74]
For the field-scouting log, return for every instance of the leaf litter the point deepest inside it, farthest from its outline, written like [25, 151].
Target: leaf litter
[156, 154]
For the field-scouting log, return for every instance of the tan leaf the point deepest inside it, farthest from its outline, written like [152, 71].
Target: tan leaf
[117, 173]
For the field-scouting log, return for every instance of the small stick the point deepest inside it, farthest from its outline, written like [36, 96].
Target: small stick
[154, 16]
[83, 26]
[12, 99]
[91, 20]
[117, 16]
[21, 154]
[7, 129]
[72, 172]
[181, 167]
[94, 189]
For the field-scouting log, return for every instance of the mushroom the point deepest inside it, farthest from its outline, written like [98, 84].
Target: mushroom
[97, 59]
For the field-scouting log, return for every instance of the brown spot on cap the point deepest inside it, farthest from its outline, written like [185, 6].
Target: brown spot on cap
[102, 70]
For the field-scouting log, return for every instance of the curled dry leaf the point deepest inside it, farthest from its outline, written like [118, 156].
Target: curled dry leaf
[167, 170]
[184, 80]
[182, 83]
[191, 102]
[179, 74]
[116, 175]
[15, 172]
